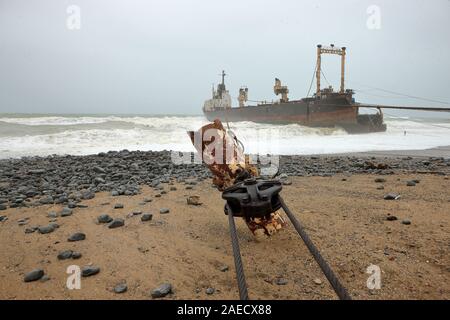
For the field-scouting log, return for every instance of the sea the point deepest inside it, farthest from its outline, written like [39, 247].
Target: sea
[23, 135]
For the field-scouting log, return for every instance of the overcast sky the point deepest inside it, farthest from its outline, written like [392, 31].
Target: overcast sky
[154, 57]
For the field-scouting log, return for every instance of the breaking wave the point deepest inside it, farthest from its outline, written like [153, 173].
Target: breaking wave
[80, 135]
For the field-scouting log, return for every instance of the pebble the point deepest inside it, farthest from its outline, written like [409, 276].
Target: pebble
[210, 291]
[146, 217]
[104, 218]
[118, 206]
[120, 288]
[34, 275]
[193, 200]
[391, 218]
[68, 179]
[88, 271]
[30, 230]
[77, 237]
[406, 222]
[46, 229]
[162, 291]
[410, 183]
[224, 268]
[317, 281]
[380, 180]
[52, 214]
[164, 210]
[136, 213]
[45, 278]
[3, 218]
[76, 255]
[380, 188]
[281, 281]
[67, 254]
[66, 212]
[391, 196]
[54, 225]
[116, 223]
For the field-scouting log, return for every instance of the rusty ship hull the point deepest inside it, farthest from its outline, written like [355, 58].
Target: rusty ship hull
[307, 113]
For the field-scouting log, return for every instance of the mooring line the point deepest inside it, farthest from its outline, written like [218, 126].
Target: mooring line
[242, 285]
[326, 269]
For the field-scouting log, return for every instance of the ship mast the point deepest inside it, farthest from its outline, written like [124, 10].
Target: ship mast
[223, 77]
[330, 50]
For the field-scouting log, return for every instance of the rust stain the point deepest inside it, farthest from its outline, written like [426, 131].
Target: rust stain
[226, 160]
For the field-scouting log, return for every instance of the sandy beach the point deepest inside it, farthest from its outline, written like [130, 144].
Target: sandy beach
[189, 247]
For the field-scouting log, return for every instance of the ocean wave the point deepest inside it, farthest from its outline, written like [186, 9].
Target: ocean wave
[87, 135]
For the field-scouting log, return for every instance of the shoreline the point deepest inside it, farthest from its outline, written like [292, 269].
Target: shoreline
[70, 179]
[442, 151]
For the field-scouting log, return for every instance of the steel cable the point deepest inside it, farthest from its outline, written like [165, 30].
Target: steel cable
[334, 281]
[242, 285]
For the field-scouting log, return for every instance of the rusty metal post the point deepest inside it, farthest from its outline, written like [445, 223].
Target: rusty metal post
[342, 69]
[319, 51]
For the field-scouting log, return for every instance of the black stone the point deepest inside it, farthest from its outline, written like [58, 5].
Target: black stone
[146, 217]
[391, 196]
[52, 214]
[67, 254]
[104, 218]
[162, 291]
[120, 288]
[46, 229]
[77, 237]
[34, 275]
[88, 271]
[76, 255]
[66, 212]
[116, 223]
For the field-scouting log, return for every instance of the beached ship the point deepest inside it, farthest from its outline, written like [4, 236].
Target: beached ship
[326, 108]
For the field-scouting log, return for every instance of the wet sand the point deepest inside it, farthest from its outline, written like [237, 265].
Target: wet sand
[345, 215]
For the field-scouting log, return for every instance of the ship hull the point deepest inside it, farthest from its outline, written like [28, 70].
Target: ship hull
[312, 114]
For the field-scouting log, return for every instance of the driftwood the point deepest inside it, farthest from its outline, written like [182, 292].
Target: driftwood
[221, 153]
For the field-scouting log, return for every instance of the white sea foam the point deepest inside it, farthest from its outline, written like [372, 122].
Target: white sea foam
[88, 135]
